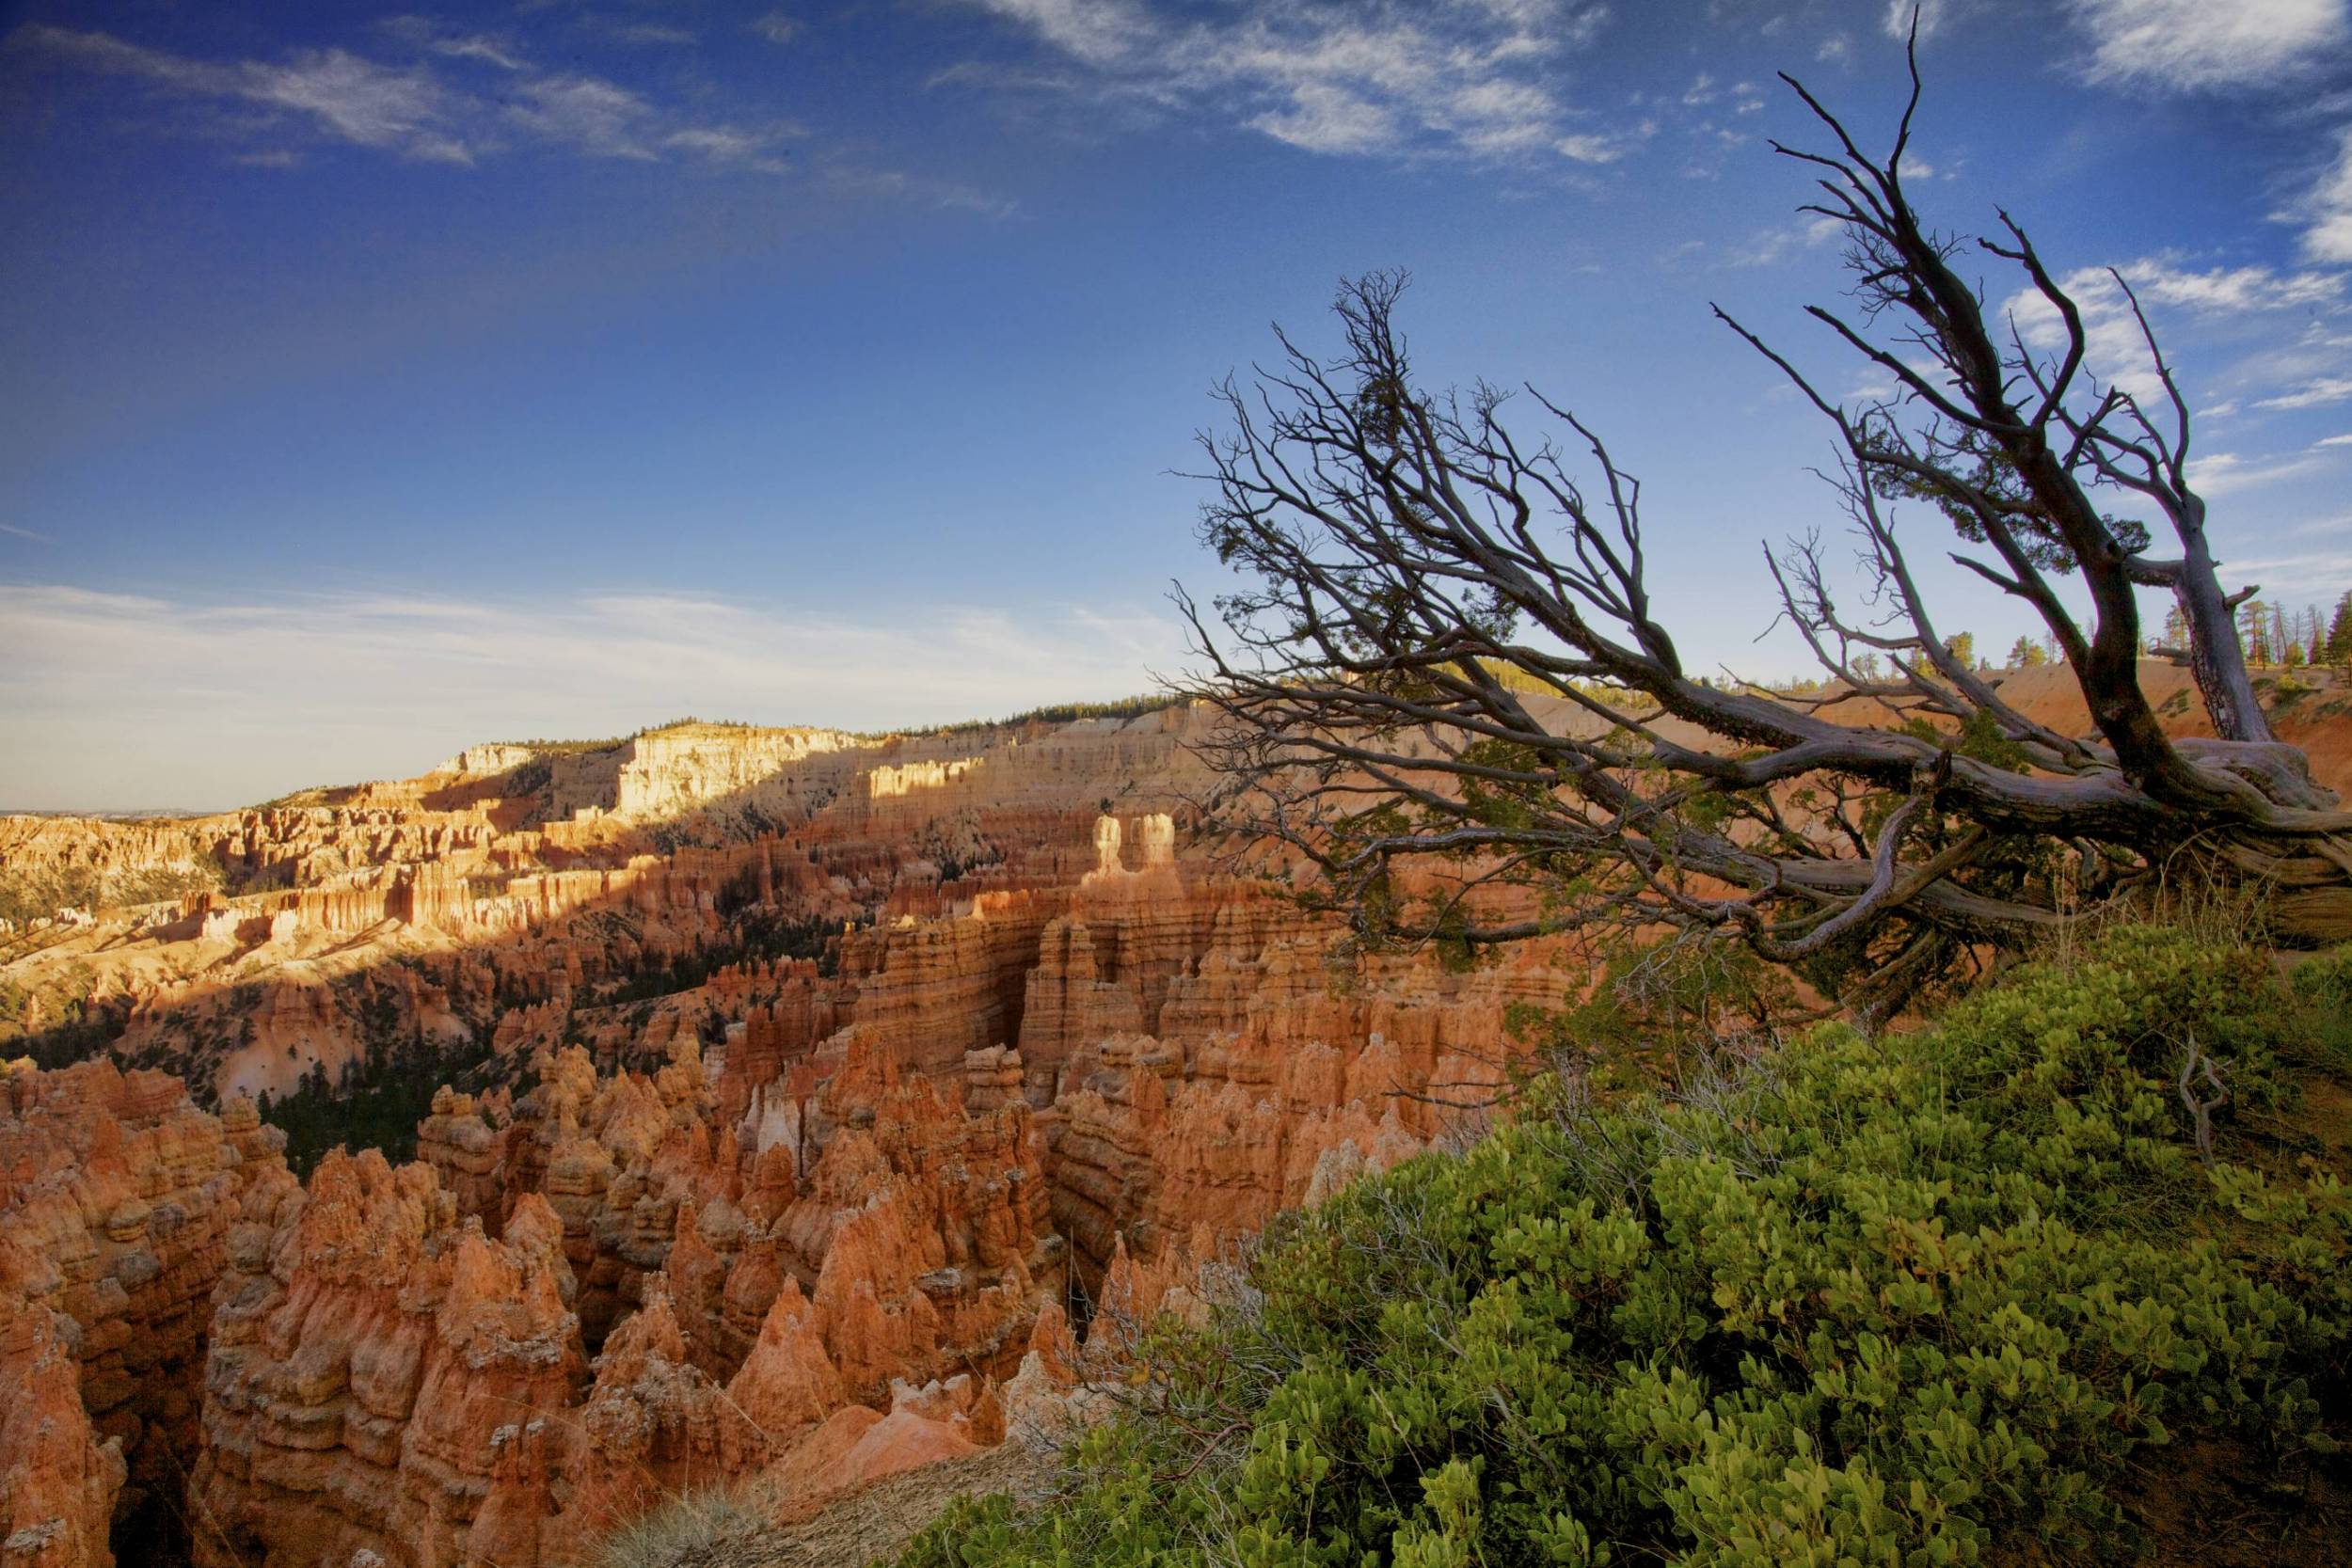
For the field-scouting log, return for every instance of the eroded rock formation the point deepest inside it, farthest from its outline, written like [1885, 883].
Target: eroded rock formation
[793, 1146]
[119, 1200]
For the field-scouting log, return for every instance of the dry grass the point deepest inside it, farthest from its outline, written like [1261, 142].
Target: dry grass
[689, 1528]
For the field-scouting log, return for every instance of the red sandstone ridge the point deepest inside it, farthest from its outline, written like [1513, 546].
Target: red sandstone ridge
[846, 1251]
[119, 1204]
[366, 1357]
[386, 1376]
[57, 1483]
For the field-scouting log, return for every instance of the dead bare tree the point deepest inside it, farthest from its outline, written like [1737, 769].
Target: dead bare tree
[1445, 651]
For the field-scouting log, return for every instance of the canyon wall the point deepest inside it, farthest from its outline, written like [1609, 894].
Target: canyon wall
[121, 1205]
[824, 1244]
[774, 1105]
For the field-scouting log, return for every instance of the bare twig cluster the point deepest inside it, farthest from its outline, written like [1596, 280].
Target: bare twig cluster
[1444, 653]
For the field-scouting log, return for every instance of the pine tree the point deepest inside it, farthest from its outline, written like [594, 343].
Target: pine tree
[2253, 628]
[2025, 654]
[2340, 632]
[2175, 627]
[1963, 647]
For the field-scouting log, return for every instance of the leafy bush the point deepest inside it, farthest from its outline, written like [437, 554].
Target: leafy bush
[1914, 1299]
[2324, 986]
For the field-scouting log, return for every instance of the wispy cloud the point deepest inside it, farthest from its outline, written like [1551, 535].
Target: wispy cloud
[1587, 149]
[2164, 284]
[347, 97]
[655, 33]
[1932, 17]
[592, 115]
[2205, 44]
[1472, 78]
[2221, 473]
[413, 111]
[1770, 247]
[16, 533]
[2328, 209]
[129, 699]
[777, 27]
[2314, 393]
[2315, 579]
[420, 32]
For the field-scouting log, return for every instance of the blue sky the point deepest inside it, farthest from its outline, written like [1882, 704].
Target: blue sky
[375, 381]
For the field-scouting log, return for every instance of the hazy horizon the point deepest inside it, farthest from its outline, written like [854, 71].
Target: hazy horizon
[384, 383]
[103, 811]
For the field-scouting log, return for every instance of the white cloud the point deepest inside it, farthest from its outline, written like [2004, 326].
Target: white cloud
[355, 99]
[2329, 208]
[2219, 473]
[1836, 49]
[777, 27]
[1933, 16]
[1098, 31]
[1772, 246]
[486, 50]
[1389, 77]
[2313, 579]
[2115, 347]
[359, 101]
[2231, 289]
[2333, 441]
[733, 144]
[1592, 150]
[422, 33]
[595, 116]
[1328, 118]
[413, 113]
[135, 700]
[2311, 394]
[2194, 45]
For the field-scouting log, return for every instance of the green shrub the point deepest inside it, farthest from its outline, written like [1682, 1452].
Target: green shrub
[1918, 1299]
[2323, 985]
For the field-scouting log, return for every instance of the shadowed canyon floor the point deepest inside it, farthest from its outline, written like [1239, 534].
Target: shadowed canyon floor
[774, 1109]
